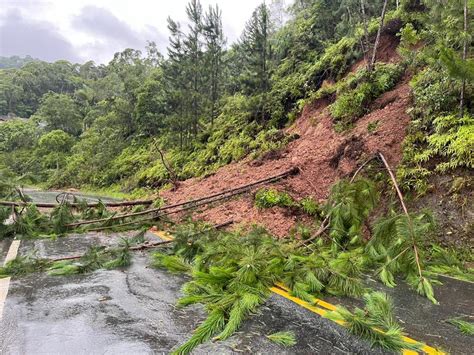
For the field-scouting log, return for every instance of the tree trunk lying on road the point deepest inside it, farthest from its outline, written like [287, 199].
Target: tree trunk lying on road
[75, 204]
[147, 245]
[197, 202]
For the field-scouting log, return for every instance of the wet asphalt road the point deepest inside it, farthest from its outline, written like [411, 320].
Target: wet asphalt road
[132, 311]
[425, 321]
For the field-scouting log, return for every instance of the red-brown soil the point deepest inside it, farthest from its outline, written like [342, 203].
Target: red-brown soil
[386, 51]
[322, 155]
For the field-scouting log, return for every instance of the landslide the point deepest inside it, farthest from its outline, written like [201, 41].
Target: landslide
[322, 155]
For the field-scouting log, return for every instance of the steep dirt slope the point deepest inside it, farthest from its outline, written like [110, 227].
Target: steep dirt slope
[322, 155]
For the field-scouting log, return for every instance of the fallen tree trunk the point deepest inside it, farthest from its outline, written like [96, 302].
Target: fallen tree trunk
[137, 247]
[196, 202]
[147, 245]
[75, 204]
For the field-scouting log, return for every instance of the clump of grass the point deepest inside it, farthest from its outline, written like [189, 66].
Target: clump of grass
[466, 328]
[287, 338]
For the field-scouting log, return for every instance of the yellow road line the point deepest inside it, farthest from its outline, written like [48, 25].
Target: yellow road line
[317, 301]
[5, 282]
[163, 235]
[324, 308]
[323, 313]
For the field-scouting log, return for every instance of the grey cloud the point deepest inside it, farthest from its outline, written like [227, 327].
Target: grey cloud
[103, 23]
[40, 39]
[112, 34]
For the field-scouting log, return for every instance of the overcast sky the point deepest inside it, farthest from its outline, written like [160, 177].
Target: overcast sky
[79, 30]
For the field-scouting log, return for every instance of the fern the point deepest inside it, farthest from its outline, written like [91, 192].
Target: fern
[310, 206]
[453, 139]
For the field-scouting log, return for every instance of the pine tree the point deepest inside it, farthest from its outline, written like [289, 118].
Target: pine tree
[215, 41]
[176, 86]
[194, 61]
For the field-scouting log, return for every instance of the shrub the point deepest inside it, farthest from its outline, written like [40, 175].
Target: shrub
[352, 104]
[355, 93]
[434, 94]
[266, 198]
[309, 206]
[454, 140]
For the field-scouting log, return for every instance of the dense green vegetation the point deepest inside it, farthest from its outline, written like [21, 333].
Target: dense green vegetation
[208, 103]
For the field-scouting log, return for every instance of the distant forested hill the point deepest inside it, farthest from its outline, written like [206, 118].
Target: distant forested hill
[15, 61]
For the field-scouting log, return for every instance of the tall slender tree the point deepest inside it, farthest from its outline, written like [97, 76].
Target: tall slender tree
[194, 60]
[254, 44]
[464, 57]
[377, 38]
[215, 41]
[176, 84]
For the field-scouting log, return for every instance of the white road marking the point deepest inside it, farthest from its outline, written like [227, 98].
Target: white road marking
[12, 251]
[5, 282]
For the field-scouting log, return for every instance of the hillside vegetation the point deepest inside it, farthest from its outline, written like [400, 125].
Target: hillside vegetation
[208, 103]
[145, 121]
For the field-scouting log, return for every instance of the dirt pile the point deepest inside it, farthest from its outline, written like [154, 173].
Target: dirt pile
[322, 155]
